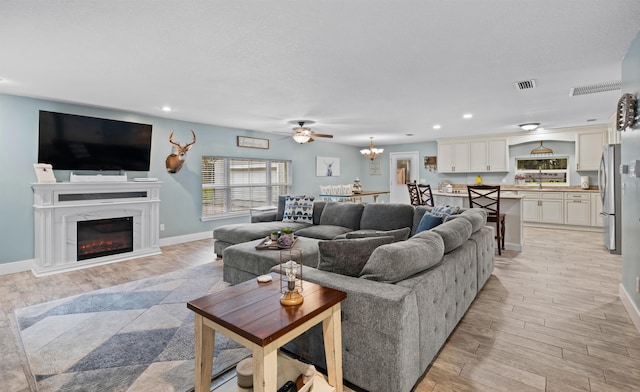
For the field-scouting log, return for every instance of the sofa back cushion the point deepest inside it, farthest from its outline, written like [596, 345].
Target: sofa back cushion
[476, 216]
[454, 233]
[318, 206]
[398, 235]
[397, 261]
[347, 257]
[342, 214]
[386, 216]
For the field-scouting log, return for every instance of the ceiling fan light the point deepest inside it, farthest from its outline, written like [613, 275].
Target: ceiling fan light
[529, 126]
[301, 138]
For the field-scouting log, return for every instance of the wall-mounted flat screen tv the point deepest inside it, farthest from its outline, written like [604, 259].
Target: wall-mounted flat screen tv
[72, 142]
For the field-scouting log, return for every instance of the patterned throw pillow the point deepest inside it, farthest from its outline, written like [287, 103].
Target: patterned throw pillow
[298, 209]
[442, 210]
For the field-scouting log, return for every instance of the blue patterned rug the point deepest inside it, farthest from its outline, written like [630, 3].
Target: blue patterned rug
[137, 336]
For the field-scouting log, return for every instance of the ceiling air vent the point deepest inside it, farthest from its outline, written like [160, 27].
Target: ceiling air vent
[526, 84]
[596, 88]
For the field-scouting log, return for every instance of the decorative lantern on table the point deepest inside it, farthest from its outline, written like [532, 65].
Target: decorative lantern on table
[291, 277]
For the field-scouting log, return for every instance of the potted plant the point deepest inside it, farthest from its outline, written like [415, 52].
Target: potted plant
[286, 237]
[274, 235]
[520, 179]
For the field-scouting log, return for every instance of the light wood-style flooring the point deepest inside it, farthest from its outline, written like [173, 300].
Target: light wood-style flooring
[549, 319]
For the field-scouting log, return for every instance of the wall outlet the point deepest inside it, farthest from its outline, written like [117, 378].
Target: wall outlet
[161, 226]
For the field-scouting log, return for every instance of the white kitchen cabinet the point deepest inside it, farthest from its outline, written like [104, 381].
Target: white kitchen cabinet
[542, 207]
[589, 149]
[490, 155]
[596, 210]
[577, 209]
[453, 157]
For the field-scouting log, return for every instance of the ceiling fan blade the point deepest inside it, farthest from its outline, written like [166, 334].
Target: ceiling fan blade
[322, 135]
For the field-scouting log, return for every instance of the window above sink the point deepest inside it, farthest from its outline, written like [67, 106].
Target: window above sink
[548, 171]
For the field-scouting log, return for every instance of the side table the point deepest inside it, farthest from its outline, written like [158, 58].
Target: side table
[250, 314]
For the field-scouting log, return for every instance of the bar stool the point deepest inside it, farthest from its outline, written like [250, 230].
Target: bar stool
[488, 198]
[414, 194]
[426, 197]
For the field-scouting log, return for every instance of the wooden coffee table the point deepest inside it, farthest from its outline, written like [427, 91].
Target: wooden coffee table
[250, 313]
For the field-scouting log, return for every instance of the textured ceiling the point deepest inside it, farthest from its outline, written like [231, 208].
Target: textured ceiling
[359, 69]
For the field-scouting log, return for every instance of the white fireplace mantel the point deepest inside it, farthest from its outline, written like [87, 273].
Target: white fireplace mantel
[59, 206]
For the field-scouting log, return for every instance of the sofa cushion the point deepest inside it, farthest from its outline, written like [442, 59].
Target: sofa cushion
[397, 261]
[318, 207]
[454, 233]
[298, 209]
[347, 257]
[322, 232]
[342, 214]
[398, 235]
[243, 232]
[444, 209]
[475, 216]
[386, 216]
[428, 222]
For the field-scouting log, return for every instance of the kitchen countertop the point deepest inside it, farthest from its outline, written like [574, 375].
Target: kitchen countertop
[594, 189]
[504, 194]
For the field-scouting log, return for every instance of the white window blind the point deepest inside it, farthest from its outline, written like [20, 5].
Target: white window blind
[231, 186]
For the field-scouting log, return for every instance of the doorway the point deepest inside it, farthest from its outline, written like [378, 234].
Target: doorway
[404, 169]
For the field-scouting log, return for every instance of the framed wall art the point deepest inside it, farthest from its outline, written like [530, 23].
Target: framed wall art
[253, 142]
[374, 167]
[327, 167]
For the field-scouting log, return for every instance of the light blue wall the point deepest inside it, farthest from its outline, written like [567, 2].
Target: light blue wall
[631, 185]
[180, 195]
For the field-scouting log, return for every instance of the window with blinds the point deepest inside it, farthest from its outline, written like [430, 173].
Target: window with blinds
[231, 186]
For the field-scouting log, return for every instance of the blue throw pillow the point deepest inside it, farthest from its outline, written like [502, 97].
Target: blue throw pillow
[428, 222]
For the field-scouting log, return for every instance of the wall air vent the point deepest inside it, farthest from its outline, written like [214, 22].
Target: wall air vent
[526, 84]
[596, 88]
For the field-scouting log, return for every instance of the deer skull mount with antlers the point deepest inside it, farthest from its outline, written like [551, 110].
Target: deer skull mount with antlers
[175, 160]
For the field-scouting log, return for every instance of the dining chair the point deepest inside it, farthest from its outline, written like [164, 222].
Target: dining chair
[488, 198]
[414, 194]
[426, 196]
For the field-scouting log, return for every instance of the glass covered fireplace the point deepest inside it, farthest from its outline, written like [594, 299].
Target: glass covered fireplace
[103, 237]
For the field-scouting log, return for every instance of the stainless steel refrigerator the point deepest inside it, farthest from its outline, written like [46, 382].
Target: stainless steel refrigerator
[609, 182]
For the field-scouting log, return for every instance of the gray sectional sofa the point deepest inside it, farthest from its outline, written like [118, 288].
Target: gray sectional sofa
[404, 303]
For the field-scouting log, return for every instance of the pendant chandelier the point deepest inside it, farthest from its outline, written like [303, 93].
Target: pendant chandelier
[541, 150]
[371, 153]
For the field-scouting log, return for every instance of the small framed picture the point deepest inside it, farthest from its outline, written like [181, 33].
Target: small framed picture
[327, 167]
[44, 172]
[253, 142]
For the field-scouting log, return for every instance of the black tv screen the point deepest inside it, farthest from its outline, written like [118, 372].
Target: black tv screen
[72, 142]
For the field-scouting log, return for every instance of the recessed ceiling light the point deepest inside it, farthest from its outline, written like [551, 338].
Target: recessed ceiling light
[409, 134]
[588, 120]
[467, 115]
[166, 108]
[437, 126]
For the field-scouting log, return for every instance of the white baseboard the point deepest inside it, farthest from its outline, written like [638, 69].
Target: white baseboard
[27, 265]
[632, 309]
[205, 235]
[16, 266]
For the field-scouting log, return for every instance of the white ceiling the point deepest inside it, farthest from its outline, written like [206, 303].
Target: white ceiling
[359, 69]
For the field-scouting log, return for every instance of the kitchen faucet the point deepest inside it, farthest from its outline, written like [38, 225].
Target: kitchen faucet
[540, 178]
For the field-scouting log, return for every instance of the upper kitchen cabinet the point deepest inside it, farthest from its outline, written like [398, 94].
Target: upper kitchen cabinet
[453, 157]
[589, 149]
[489, 155]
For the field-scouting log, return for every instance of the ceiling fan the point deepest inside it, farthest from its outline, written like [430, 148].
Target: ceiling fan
[305, 134]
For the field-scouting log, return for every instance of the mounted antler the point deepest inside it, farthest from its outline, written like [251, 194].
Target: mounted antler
[175, 161]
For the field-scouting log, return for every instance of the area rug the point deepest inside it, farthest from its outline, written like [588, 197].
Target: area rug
[137, 336]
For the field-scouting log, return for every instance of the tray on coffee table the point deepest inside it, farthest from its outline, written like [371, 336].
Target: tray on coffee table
[268, 243]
